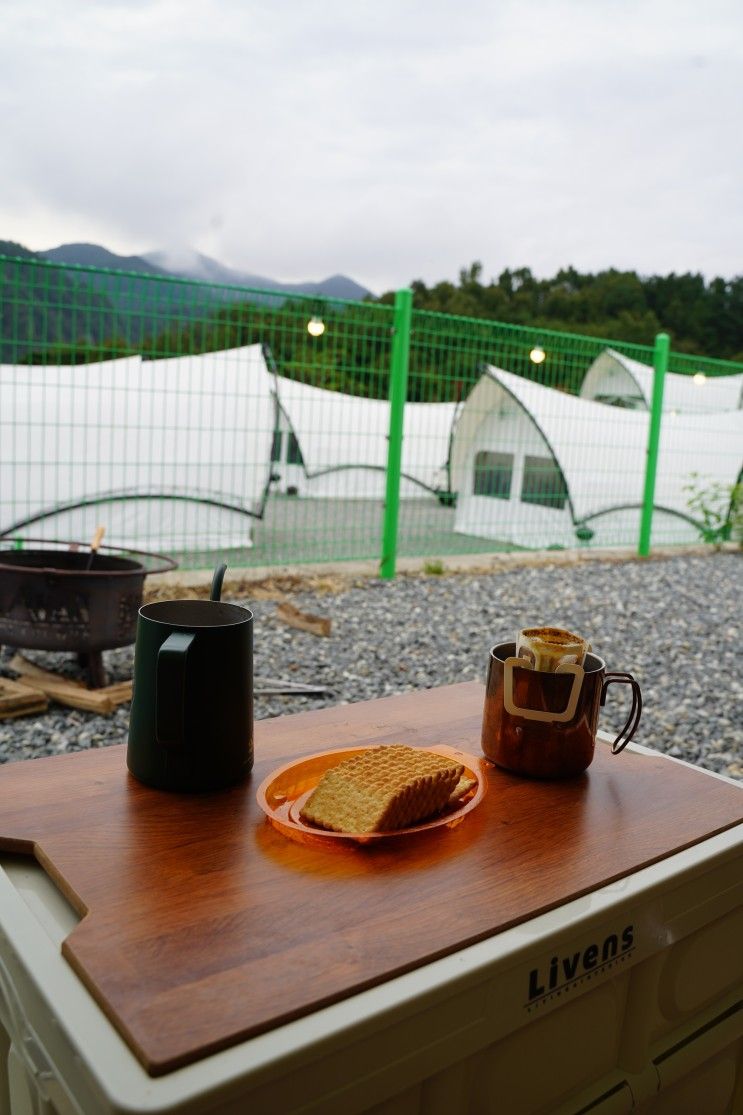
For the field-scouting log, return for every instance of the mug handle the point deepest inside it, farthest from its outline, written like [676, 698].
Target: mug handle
[633, 719]
[170, 692]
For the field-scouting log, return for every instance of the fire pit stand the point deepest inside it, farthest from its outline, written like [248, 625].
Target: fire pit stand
[92, 663]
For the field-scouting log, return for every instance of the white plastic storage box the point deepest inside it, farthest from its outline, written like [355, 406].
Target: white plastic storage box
[628, 999]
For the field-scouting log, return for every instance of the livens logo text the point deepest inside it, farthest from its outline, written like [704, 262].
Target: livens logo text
[564, 972]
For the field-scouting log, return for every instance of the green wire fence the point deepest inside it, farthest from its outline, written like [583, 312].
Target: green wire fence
[197, 419]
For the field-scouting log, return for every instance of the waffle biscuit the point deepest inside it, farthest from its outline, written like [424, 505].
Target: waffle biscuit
[463, 786]
[382, 789]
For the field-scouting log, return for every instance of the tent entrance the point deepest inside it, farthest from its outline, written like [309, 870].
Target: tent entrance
[287, 462]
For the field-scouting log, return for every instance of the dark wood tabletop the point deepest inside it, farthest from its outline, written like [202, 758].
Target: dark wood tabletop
[202, 924]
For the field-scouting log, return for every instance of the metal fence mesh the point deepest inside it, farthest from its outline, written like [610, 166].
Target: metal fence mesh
[197, 419]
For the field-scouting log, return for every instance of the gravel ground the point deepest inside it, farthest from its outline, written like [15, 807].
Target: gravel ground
[669, 622]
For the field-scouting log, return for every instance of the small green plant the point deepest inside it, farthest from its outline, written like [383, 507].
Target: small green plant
[433, 568]
[717, 510]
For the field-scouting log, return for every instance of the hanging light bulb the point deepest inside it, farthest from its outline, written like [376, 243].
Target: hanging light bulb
[537, 355]
[316, 326]
[699, 378]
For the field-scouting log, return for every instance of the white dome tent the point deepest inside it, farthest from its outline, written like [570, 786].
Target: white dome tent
[169, 454]
[334, 446]
[536, 467]
[620, 381]
[181, 453]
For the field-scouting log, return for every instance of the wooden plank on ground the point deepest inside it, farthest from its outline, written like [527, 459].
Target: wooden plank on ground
[68, 691]
[303, 621]
[17, 699]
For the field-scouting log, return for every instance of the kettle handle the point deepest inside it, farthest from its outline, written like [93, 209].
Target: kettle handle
[219, 572]
[170, 691]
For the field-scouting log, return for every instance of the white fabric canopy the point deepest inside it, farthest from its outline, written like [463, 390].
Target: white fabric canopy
[614, 376]
[344, 442]
[179, 449]
[601, 452]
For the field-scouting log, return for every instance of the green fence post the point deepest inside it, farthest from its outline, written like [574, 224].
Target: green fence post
[398, 393]
[660, 366]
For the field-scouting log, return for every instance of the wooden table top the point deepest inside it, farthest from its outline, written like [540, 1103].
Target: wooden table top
[204, 925]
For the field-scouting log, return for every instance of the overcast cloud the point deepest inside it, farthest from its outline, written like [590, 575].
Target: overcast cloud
[388, 140]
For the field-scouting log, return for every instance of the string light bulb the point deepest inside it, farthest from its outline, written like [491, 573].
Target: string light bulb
[537, 355]
[316, 327]
[699, 378]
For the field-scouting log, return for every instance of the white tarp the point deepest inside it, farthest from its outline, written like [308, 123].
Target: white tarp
[613, 376]
[179, 449]
[344, 442]
[600, 451]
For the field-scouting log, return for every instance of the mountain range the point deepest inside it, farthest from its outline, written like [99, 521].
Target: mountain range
[189, 264]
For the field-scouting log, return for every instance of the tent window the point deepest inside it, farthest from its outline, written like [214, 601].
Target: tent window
[293, 452]
[493, 472]
[276, 446]
[543, 483]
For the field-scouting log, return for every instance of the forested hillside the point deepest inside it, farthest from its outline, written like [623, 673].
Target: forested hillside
[48, 308]
[702, 317]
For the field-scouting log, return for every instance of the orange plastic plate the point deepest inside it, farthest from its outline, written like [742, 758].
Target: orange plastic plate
[282, 794]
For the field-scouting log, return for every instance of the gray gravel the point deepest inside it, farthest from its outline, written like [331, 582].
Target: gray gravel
[676, 624]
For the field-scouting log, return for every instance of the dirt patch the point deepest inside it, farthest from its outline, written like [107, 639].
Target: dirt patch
[266, 588]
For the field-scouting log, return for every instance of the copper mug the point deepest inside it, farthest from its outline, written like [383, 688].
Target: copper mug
[543, 725]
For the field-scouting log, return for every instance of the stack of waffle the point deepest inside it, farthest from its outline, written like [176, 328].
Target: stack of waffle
[384, 789]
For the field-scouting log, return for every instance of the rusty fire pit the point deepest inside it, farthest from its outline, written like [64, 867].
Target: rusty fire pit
[51, 600]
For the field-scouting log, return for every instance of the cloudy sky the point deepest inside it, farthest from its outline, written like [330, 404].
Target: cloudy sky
[389, 140]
